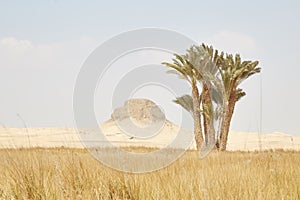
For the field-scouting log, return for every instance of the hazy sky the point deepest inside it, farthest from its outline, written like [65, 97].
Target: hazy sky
[43, 44]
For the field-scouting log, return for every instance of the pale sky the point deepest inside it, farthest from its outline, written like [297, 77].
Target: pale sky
[43, 45]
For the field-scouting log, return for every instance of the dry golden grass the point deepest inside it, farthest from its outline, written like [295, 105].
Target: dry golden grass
[74, 174]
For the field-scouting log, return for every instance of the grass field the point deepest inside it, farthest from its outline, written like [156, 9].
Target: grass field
[74, 174]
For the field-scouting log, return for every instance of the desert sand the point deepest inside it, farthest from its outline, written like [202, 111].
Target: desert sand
[69, 137]
[139, 111]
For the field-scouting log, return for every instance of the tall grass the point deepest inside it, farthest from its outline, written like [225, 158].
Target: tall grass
[74, 174]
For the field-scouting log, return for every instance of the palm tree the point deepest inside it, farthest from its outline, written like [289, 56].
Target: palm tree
[185, 70]
[203, 64]
[205, 60]
[197, 66]
[233, 72]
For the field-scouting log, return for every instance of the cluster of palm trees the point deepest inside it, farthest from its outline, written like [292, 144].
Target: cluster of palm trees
[219, 76]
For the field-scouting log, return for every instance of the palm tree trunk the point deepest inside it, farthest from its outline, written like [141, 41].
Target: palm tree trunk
[197, 117]
[229, 108]
[208, 123]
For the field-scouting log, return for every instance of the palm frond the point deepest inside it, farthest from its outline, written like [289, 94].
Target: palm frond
[239, 94]
[186, 101]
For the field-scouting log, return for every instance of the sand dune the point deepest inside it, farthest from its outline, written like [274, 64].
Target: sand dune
[254, 141]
